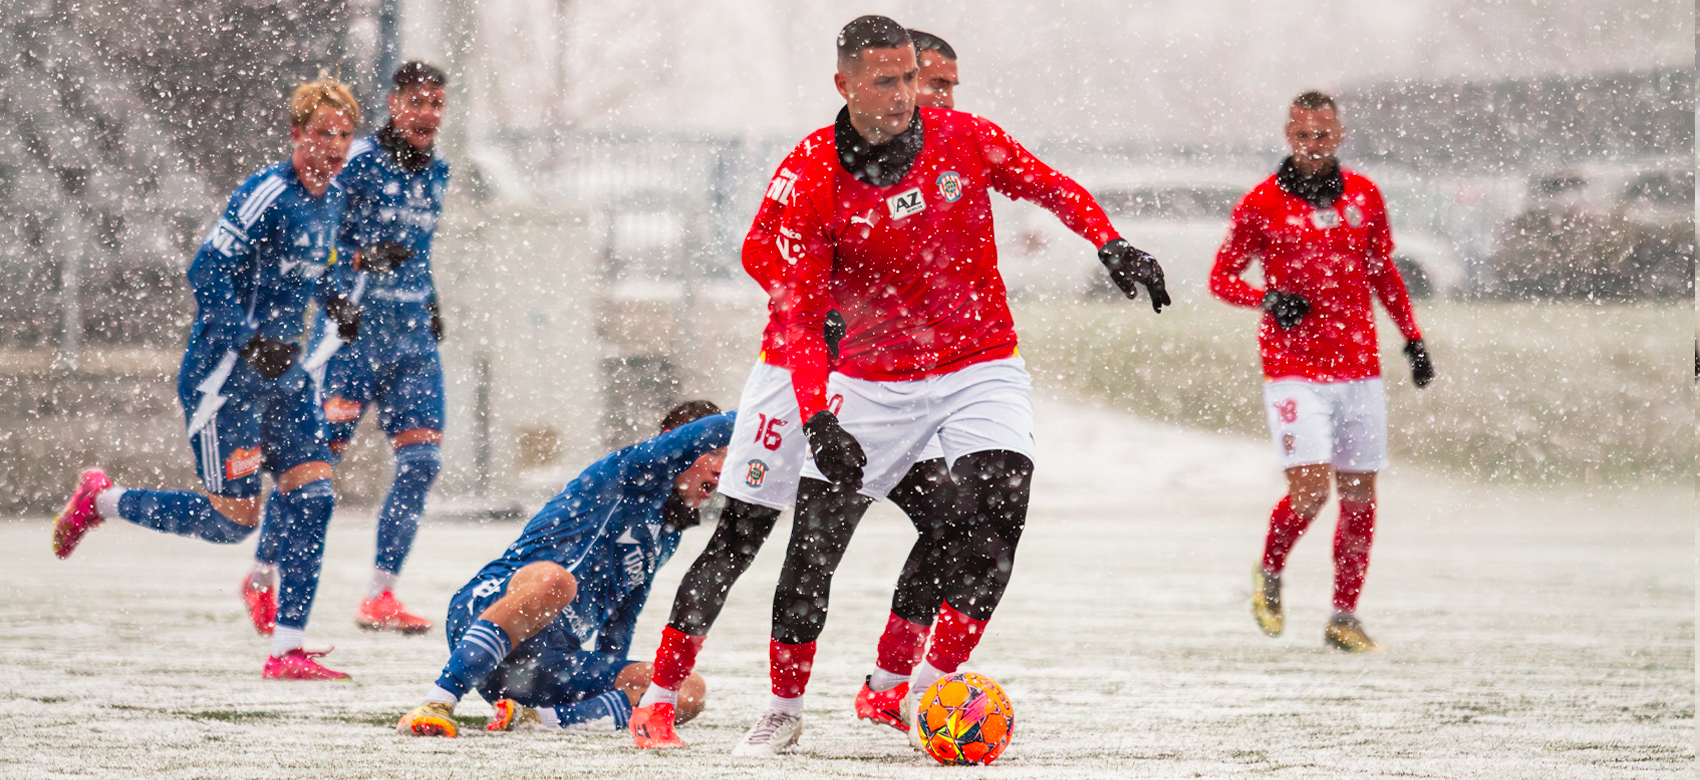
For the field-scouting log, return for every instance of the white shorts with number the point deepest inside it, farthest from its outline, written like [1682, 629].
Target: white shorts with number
[986, 406]
[765, 457]
[1343, 423]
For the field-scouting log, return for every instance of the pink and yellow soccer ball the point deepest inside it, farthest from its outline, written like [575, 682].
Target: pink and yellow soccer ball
[965, 718]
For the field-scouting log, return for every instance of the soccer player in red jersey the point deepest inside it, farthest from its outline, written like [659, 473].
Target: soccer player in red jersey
[889, 221]
[766, 459]
[1320, 232]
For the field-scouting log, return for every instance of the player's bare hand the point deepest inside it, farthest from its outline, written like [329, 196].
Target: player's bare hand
[1288, 308]
[1422, 370]
[1130, 267]
[837, 454]
[382, 257]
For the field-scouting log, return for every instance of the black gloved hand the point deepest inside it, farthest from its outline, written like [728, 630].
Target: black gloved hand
[383, 257]
[1422, 371]
[1130, 267]
[346, 314]
[436, 321]
[1288, 308]
[837, 454]
[833, 331]
[270, 358]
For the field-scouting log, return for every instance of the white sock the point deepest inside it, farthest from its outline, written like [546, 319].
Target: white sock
[381, 581]
[438, 695]
[548, 715]
[656, 694]
[265, 574]
[1341, 617]
[788, 706]
[106, 504]
[925, 675]
[882, 680]
[285, 639]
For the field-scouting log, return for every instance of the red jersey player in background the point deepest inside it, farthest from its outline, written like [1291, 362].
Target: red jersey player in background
[1320, 232]
[889, 221]
[765, 459]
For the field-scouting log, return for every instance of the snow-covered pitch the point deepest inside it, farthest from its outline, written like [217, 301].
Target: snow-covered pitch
[1538, 634]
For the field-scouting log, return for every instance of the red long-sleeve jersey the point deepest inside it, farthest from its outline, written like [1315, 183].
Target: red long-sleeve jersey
[760, 254]
[913, 267]
[1335, 257]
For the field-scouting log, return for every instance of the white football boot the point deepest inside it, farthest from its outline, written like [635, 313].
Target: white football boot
[774, 734]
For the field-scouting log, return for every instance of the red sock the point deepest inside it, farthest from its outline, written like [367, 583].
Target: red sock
[1285, 528]
[902, 645]
[954, 638]
[1352, 540]
[789, 667]
[676, 657]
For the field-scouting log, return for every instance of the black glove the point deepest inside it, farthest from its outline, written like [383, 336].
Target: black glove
[436, 321]
[270, 358]
[1288, 308]
[383, 257]
[1422, 371]
[346, 314]
[837, 454]
[1130, 267]
[833, 331]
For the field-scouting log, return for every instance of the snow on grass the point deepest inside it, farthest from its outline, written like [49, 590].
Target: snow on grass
[1533, 633]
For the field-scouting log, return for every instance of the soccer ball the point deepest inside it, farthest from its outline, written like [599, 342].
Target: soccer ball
[965, 718]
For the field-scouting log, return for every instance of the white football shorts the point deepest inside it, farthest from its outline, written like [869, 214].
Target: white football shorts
[765, 458]
[986, 406]
[1343, 423]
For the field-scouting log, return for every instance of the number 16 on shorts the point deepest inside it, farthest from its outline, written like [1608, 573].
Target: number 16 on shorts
[765, 456]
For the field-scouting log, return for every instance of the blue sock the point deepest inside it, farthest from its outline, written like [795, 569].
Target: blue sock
[477, 654]
[416, 467]
[304, 514]
[180, 512]
[613, 704]
[266, 552]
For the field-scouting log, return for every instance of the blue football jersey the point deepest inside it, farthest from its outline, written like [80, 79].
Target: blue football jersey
[606, 528]
[270, 254]
[389, 203]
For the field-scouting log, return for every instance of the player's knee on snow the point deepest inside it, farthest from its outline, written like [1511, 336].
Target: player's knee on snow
[635, 678]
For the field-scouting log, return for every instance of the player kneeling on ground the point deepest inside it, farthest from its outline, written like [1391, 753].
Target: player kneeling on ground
[579, 573]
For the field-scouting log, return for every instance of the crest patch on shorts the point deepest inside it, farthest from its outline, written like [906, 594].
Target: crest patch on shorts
[241, 463]
[1288, 443]
[756, 474]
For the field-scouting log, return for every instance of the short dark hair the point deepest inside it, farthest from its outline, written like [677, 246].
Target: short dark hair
[688, 412]
[926, 41]
[416, 72]
[1312, 100]
[870, 32]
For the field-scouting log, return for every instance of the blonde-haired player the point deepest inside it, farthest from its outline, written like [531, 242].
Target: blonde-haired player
[248, 404]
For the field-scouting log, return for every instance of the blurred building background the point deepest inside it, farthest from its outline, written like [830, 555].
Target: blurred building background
[609, 157]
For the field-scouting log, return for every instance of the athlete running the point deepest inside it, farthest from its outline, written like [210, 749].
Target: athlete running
[543, 631]
[1320, 232]
[394, 183]
[889, 221]
[767, 455]
[250, 405]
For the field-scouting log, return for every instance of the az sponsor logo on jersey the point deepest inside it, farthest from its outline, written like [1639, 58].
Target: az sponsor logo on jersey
[904, 204]
[1325, 219]
[950, 186]
[779, 190]
[756, 474]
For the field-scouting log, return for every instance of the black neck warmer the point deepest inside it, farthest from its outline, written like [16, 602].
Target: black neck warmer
[1320, 189]
[411, 158]
[883, 165]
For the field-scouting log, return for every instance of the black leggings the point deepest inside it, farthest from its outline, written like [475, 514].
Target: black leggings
[968, 560]
[928, 496]
[737, 538]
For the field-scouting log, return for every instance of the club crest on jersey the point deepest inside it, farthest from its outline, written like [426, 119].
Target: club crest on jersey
[1354, 215]
[950, 186]
[904, 204]
[756, 474]
[1325, 219]
[242, 462]
[779, 190]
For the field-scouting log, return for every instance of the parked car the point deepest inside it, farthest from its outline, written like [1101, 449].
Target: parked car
[1618, 230]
